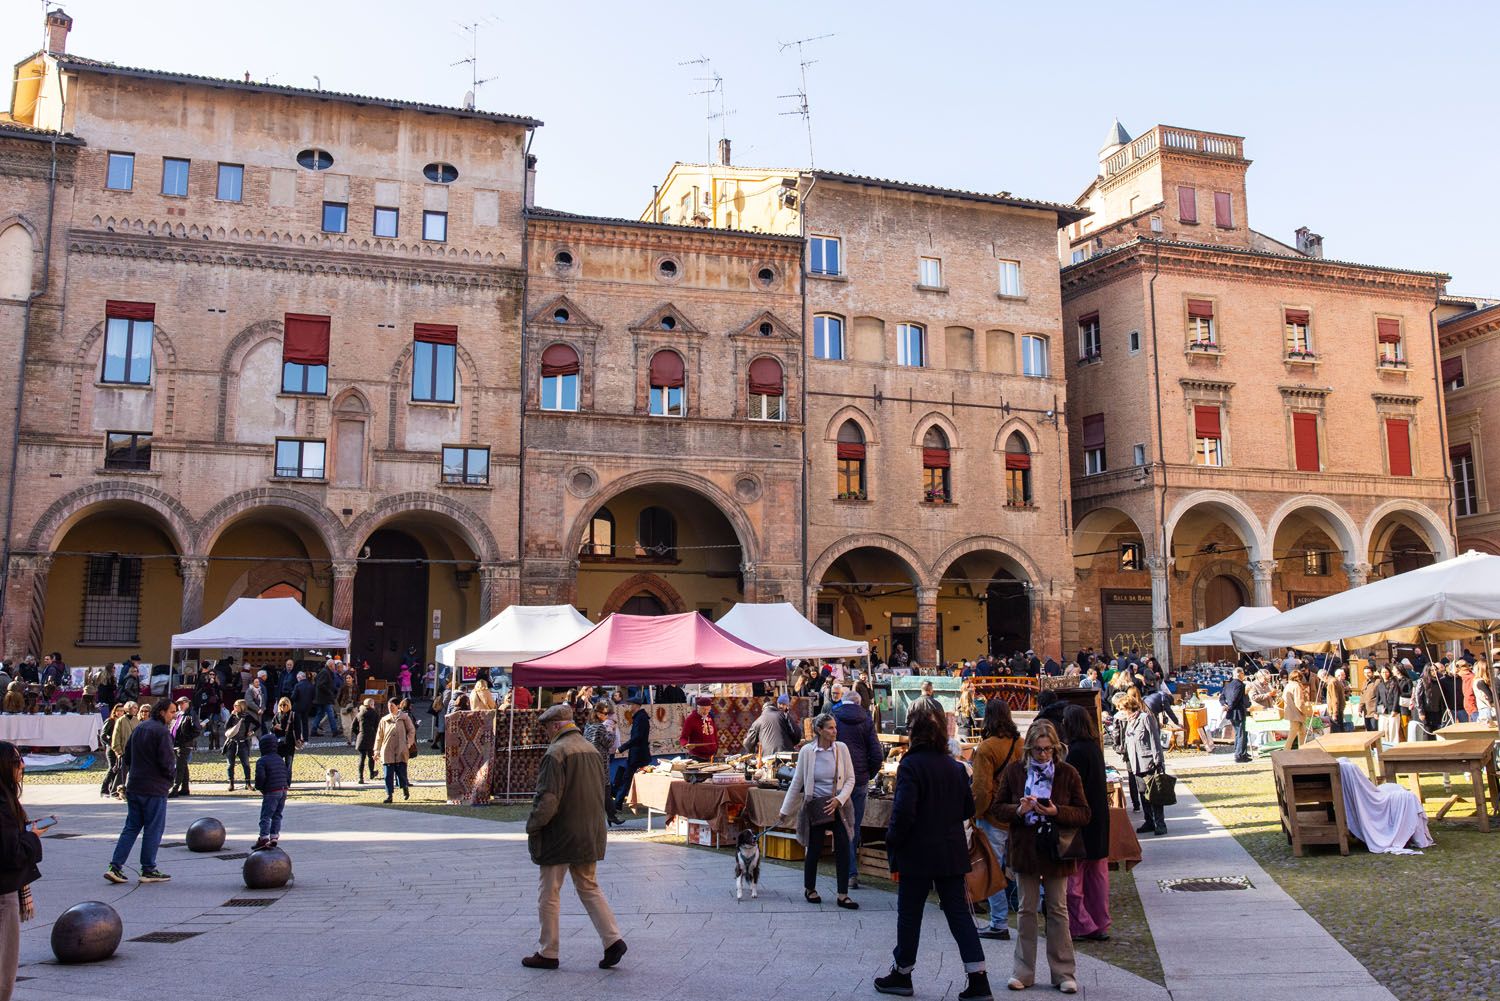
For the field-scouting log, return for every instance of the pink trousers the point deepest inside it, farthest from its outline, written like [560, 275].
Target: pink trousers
[1088, 898]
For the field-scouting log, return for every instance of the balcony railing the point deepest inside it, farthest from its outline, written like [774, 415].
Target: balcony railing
[1185, 140]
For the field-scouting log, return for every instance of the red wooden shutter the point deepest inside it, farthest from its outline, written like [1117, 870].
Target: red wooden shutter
[1300, 316]
[1206, 422]
[1389, 331]
[1093, 431]
[666, 370]
[435, 333]
[1088, 319]
[1223, 214]
[1464, 451]
[306, 339]
[851, 450]
[1305, 441]
[1017, 460]
[1203, 308]
[1398, 443]
[765, 377]
[1453, 368]
[116, 309]
[1187, 204]
[559, 359]
[934, 458]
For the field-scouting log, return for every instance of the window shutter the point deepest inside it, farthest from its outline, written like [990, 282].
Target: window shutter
[934, 458]
[435, 333]
[306, 339]
[1187, 204]
[1206, 421]
[1299, 316]
[1223, 215]
[1453, 368]
[765, 377]
[1017, 460]
[1088, 319]
[1201, 308]
[1093, 431]
[1398, 443]
[559, 359]
[1464, 451]
[1389, 331]
[1305, 442]
[666, 370]
[850, 450]
[116, 309]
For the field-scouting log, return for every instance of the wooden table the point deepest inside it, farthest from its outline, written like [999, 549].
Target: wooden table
[1467, 731]
[1310, 796]
[1358, 744]
[1473, 757]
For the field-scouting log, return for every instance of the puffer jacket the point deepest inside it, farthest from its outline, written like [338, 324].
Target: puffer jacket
[857, 732]
[271, 772]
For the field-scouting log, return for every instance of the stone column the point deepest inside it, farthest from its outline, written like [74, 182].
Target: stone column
[194, 571]
[343, 593]
[491, 590]
[1359, 574]
[25, 605]
[1261, 571]
[747, 572]
[926, 653]
[1161, 612]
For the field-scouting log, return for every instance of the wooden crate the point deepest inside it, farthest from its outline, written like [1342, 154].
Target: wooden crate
[782, 845]
[873, 861]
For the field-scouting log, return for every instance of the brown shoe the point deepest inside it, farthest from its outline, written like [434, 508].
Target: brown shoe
[536, 961]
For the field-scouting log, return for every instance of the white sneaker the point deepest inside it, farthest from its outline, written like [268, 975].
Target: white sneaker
[1068, 986]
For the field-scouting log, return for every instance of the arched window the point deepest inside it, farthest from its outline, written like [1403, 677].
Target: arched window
[667, 381]
[600, 540]
[559, 378]
[1017, 471]
[851, 462]
[937, 487]
[766, 389]
[656, 534]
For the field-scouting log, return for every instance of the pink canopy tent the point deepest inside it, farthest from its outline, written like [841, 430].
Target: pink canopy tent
[651, 650]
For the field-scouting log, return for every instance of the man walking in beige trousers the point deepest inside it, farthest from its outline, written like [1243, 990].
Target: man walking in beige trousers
[566, 833]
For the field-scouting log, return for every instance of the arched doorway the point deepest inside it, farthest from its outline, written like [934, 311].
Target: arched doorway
[1111, 610]
[1406, 550]
[870, 593]
[1222, 595]
[983, 607]
[390, 601]
[643, 604]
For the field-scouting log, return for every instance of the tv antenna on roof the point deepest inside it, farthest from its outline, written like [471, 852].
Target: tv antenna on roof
[716, 87]
[801, 95]
[473, 63]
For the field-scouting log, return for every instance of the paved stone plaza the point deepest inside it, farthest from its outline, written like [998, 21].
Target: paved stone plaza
[389, 903]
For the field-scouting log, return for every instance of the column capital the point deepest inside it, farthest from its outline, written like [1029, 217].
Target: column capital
[491, 572]
[1262, 569]
[1359, 573]
[344, 569]
[927, 594]
[34, 563]
[1158, 565]
[192, 566]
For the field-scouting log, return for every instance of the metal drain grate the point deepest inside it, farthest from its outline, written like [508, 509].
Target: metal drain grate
[62, 837]
[249, 902]
[167, 937]
[1203, 884]
[233, 856]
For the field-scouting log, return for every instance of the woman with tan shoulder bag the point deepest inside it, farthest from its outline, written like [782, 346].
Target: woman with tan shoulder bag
[1001, 745]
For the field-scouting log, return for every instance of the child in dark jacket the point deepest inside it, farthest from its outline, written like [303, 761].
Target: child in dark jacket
[272, 779]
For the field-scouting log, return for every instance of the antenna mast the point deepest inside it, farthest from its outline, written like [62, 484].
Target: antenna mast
[801, 95]
[716, 87]
[472, 61]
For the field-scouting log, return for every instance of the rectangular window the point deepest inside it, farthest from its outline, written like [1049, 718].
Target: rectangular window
[127, 450]
[823, 256]
[128, 327]
[1079, 255]
[1398, 445]
[828, 338]
[1138, 455]
[299, 459]
[1315, 563]
[335, 217]
[1305, 442]
[666, 401]
[1187, 204]
[1010, 278]
[1297, 324]
[434, 377]
[174, 177]
[851, 478]
[1465, 484]
[1034, 356]
[929, 272]
[935, 485]
[304, 354]
[1130, 556]
[909, 345]
[1089, 344]
[120, 175]
[1388, 336]
[1134, 340]
[1093, 445]
[468, 466]
[111, 600]
[386, 221]
[435, 226]
[1223, 210]
[764, 407]
[231, 183]
[1202, 334]
[1453, 373]
[1209, 436]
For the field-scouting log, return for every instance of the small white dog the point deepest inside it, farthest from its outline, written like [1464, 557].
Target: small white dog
[333, 779]
[746, 865]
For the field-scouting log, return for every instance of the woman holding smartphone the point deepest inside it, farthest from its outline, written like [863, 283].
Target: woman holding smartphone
[20, 851]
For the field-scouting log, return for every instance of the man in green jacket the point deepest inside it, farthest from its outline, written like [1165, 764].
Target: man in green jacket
[566, 834]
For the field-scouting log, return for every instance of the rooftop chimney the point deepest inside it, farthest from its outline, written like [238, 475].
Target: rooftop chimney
[1309, 243]
[58, 25]
[724, 152]
[531, 181]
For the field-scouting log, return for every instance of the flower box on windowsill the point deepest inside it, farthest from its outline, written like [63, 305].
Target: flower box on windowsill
[1301, 358]
[1020, 506]
[852, 497]
[936, 498]
[1203, 347]
[1090, 359]
[1392, 365]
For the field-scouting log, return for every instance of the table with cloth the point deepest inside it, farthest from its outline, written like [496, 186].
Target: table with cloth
[717, 803]
[61, 730]
[1385, 817]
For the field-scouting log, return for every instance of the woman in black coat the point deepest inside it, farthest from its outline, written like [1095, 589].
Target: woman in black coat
[1088, 887]
[928, 850]
[284, 726]
[20, 851]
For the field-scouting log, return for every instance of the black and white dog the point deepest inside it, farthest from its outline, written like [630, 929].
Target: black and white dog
[746, 865]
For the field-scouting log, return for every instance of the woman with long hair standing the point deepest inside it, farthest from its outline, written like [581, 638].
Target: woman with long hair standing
[20, 851]
[1001, 745]
[1088, 887]
[818, 799]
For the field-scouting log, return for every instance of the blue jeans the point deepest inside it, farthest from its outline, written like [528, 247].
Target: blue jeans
[911, 899]
[1008, 898]
[857, 800]
[271, 805]
[392, 773]
[319, 712]
[145, 816]
[1241, 735]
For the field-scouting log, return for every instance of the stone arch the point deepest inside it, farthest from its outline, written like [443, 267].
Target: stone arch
[743, 530]
[979, 543]
[18, 219]
[1333, 519]
[1017, 425]
[1235, 511]
[223, 514]
[68, 510]
[652, 585]
[943, 421]
[19, 247]
[261, 576]
[233, 359]
[850, 413]
[867, 540]
[352, 402]
[1219, 568]
[856, 614]
[160, 338]
[1425, 521]
[469, 525]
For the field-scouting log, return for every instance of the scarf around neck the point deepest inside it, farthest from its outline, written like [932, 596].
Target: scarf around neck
[1039, 784]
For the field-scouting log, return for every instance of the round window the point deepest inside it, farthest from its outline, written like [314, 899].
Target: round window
[563, 259]
[766, 277]
[669, 323]
[561, 316]
[315, 159]
[667, 268]
[765, 330]
[440, 173]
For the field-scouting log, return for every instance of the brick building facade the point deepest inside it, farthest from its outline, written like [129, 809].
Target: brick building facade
[1469, 338]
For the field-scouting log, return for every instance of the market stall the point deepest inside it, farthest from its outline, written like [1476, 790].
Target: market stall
[779, 628]
[1219, 634]
[52, 730]
[520, 632]
[264, 624]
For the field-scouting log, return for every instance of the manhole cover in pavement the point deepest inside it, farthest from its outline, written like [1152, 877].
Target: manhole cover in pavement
[249, 902]
[166, 937]
[1202, 884]
[233, 856]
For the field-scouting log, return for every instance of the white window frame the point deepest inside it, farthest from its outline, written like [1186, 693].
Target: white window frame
[767, 408]
[905, 333]
[1464, 485]
[239, 184]
[1395, 354]
[1209, 452]
[1094, 461]
[1090, 342]
[821, 342]
[1298, 338]
[930, 272]
[1041, 356]
[662, 403]
[1133, 340]
[555, 396]
[1138, 453]
[1010, 279]
[817, 255]
[1203, 330]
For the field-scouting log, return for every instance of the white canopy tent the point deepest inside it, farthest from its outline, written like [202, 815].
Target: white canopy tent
[264, 623]
[779, 628]
[521, 632]
[1218, 633]
[1451, 600]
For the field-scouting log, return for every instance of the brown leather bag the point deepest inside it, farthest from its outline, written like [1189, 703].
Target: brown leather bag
[985, 877]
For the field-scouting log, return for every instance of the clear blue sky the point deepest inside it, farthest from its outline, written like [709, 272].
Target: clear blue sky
[1373, 123]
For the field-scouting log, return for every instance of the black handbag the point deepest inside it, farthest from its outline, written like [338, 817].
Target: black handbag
[1161, 789]
[1059, 844]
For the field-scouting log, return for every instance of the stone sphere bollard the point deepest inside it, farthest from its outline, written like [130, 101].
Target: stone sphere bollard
[205, 835]
[268, 869]
[87, 933]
